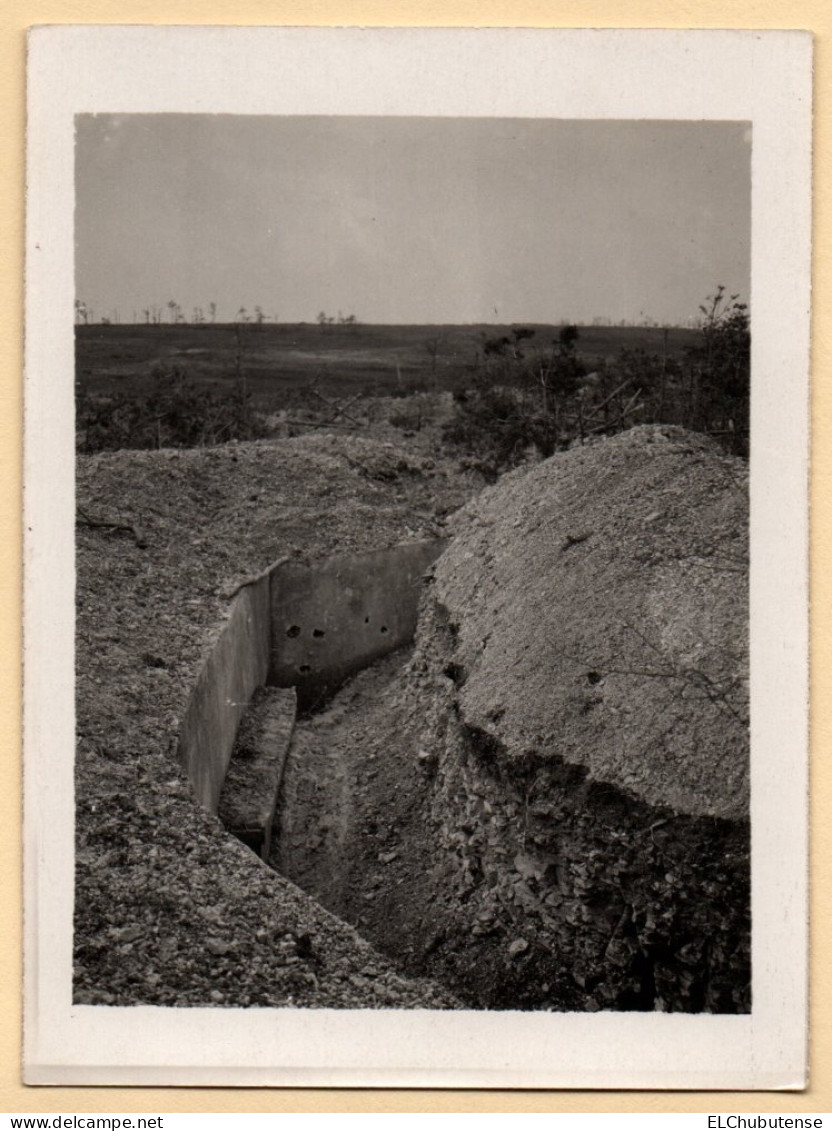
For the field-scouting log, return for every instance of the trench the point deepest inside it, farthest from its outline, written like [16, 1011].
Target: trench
[295, 637]
[519, 886]
[303, 629]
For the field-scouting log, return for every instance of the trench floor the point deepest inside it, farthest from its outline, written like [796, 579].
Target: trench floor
[351, 825]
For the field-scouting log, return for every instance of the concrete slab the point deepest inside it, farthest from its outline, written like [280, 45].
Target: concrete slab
[249, 795]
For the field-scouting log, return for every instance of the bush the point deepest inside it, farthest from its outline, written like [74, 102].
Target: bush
[409, 420]
[516, 403]
[721, 370]
[177, 413]
[548, 401]
[497, 426]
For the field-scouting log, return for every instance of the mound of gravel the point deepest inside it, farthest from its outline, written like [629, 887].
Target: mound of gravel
[580, 681]
[169, 909]
[600, 608]
[545, 808]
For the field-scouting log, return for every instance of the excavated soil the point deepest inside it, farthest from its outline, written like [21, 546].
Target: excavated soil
[169, 909]
[541, 805]
[600, 605]
[544, 806]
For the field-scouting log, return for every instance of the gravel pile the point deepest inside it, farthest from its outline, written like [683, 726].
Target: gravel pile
[170, 909]
[601, 601]
[546, 806]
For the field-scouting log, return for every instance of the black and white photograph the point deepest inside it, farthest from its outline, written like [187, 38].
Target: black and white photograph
[417, 469]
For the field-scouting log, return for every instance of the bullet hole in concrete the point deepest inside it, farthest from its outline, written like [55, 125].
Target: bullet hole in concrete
[594, 677]
[366, 620]
[455, 672]
[304, 669]
[383, 629]
[293, 631]
[318, 633]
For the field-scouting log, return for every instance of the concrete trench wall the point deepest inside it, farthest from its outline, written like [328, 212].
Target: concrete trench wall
[332, 619]
[308, 627]
[237, 666]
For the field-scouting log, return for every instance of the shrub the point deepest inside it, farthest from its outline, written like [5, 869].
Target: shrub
[176, 413]
[497, 425]
[409, 419]
[721, 370]
[516, 403]
[549, 400]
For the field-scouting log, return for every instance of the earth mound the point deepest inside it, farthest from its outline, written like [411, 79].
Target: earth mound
[169, 908]
[564, 758]
[599, 614]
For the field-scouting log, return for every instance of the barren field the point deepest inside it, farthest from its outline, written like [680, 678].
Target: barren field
[279, 361]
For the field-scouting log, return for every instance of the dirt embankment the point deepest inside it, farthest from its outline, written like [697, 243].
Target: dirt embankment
[601, 611]
[169, 908]
[547, 806]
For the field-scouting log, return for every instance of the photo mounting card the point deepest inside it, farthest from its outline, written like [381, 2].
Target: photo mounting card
[294, 297]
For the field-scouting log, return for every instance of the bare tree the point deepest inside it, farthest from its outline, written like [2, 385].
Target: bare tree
[432, 345]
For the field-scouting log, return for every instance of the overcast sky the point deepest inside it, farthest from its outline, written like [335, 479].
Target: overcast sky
[422, 220]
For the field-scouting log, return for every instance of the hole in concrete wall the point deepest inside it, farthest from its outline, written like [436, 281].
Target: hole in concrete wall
[383, 629]
[455, 672]
[594, 677]
[318, 633]
[293, 631]
[304, 669]
[366, 620]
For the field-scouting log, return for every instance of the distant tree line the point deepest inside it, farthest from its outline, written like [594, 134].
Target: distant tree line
[173, 314]
[325, 320]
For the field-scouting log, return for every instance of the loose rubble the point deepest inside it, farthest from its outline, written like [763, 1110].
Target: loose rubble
[542, 805]
[170, 909]
[547, 807]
